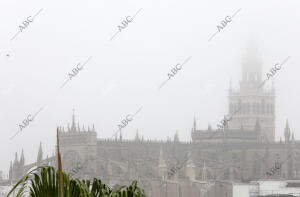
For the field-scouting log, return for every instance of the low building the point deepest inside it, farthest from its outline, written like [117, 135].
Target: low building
[264, 188]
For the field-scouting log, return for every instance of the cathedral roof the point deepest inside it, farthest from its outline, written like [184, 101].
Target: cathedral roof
[228, 134]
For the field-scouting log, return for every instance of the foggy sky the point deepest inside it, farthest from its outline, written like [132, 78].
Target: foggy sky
[124, 74]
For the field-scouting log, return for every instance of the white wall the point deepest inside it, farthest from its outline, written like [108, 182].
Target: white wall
[240, 190]
[277, 187]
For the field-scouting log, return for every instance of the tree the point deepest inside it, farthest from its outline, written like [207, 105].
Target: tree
[44, 181]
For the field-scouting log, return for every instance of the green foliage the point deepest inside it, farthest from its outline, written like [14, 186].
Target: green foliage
[44, 182]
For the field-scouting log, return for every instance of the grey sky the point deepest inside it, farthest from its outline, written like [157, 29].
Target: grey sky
[125, 73]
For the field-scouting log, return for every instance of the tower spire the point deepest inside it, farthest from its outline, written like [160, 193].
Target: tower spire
[176, 137]
[40, 154]
[78, 127]
[137, 137]
[16, 158]
[73, 127]
[194, 126]
[230, 85]
[251, 68]
[10, 171]
[287, 131]
[22, 160]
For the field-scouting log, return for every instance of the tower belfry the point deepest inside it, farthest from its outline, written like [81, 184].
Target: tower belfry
[256, 104]
[251, 70]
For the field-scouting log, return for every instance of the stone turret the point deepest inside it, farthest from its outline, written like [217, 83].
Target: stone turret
[190, 168]
[287, 132]
[73, 126]
[137, 136]
[194, 125]
[176, 137]
[79, 146]
[162, 166]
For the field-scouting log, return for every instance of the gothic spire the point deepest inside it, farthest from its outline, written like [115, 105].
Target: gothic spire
[287, 124]
[287, 131]
[194, 126]
[16, 158]
[40, 154]
[209, 127]
[10, 171]
[73, 126]
[22, 160]
[137, 137]
[176, 137]
[94, 128]
[78, 128]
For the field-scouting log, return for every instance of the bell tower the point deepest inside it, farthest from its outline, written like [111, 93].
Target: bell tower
[253, 102]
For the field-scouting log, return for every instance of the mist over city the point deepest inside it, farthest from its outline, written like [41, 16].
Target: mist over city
[188, 98]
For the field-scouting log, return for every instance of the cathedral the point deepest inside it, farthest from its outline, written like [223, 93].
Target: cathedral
[243, 151]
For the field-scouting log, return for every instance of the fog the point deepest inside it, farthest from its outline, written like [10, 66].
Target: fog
[124, 74]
